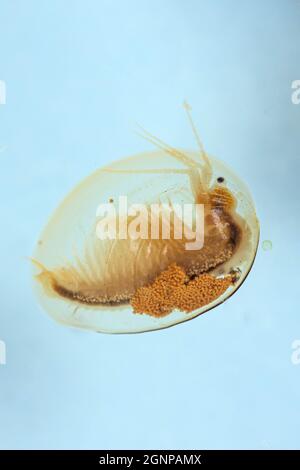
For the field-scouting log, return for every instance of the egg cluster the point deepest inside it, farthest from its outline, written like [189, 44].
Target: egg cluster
[172, 289]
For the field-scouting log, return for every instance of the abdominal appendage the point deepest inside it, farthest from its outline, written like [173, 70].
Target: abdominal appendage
[134, 265]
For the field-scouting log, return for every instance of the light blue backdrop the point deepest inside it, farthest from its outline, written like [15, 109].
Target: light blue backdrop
[79, 74]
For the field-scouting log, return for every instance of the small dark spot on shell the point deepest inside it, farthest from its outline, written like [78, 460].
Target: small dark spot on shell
[111, 200]
[220, 179]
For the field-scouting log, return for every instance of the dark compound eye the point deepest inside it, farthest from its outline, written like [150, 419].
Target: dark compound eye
[220, 179]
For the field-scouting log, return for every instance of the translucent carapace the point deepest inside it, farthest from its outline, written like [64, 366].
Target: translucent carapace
[147, 242]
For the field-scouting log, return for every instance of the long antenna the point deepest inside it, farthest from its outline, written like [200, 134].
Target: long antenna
[167, 148]
[188, 109]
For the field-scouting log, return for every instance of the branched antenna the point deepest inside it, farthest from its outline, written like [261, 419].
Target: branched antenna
[188, 109]
[180, 156]
[203, 154]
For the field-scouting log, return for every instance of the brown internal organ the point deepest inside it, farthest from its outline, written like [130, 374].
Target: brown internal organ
[134, 264]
